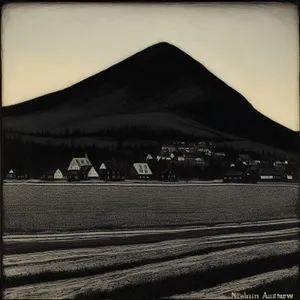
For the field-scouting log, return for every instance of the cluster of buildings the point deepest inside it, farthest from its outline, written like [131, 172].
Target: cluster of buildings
[188, 153]
[249, 170]
[80, 168]
[167, 165]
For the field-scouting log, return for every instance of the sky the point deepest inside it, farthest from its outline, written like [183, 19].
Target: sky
[252, 47]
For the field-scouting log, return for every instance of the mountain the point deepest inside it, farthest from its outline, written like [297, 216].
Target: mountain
[160, 87]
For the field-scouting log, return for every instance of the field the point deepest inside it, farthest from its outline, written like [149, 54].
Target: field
[52, 208]
[145, 242]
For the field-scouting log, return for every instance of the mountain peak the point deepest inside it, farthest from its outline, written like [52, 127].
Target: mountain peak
[163, 45]
[161, 49]
[161, 79]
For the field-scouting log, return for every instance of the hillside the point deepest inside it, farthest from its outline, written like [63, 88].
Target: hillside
[160, 88]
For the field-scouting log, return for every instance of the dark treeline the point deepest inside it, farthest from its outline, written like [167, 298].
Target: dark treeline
[37, 158]
[119, 133]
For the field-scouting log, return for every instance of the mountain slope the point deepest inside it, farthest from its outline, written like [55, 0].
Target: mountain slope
[162, 80]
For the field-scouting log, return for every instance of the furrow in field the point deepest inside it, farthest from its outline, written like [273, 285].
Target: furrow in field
[58, 255]
[105, 233]
[71, 260]
[225, 290]
[24, 244]
[70, 288]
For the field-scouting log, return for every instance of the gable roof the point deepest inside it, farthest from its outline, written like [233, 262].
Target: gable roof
[149, 156]
[142, 169]
[79, 162]
[93, 173]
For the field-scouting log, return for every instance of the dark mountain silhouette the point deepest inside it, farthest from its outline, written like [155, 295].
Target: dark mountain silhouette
[161, 87]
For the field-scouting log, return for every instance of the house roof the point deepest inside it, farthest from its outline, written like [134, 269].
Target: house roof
[149, 156]
[281, 162]
[79, 162]
[93, 173]
[142, 169]
[82, 161]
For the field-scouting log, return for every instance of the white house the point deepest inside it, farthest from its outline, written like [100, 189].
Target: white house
[141, 171]
[79, 168]
[78, 162]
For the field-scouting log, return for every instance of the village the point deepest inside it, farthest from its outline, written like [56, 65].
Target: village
[176, 161]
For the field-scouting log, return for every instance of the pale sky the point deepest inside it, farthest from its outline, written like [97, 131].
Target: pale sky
[253, 48]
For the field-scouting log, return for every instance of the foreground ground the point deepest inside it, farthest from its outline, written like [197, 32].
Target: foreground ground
[202, 243]
[185, 263]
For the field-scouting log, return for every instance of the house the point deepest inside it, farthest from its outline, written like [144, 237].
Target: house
[141, 171]
[281, 165]
[79, 168]
[168, 175]
[219, 155]
[92, 174]
[149, 157]
[53, 174]
[109, 171]
[238, 176]
[17, 174]
[168, 149]
[10, 175]
[274, 175]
